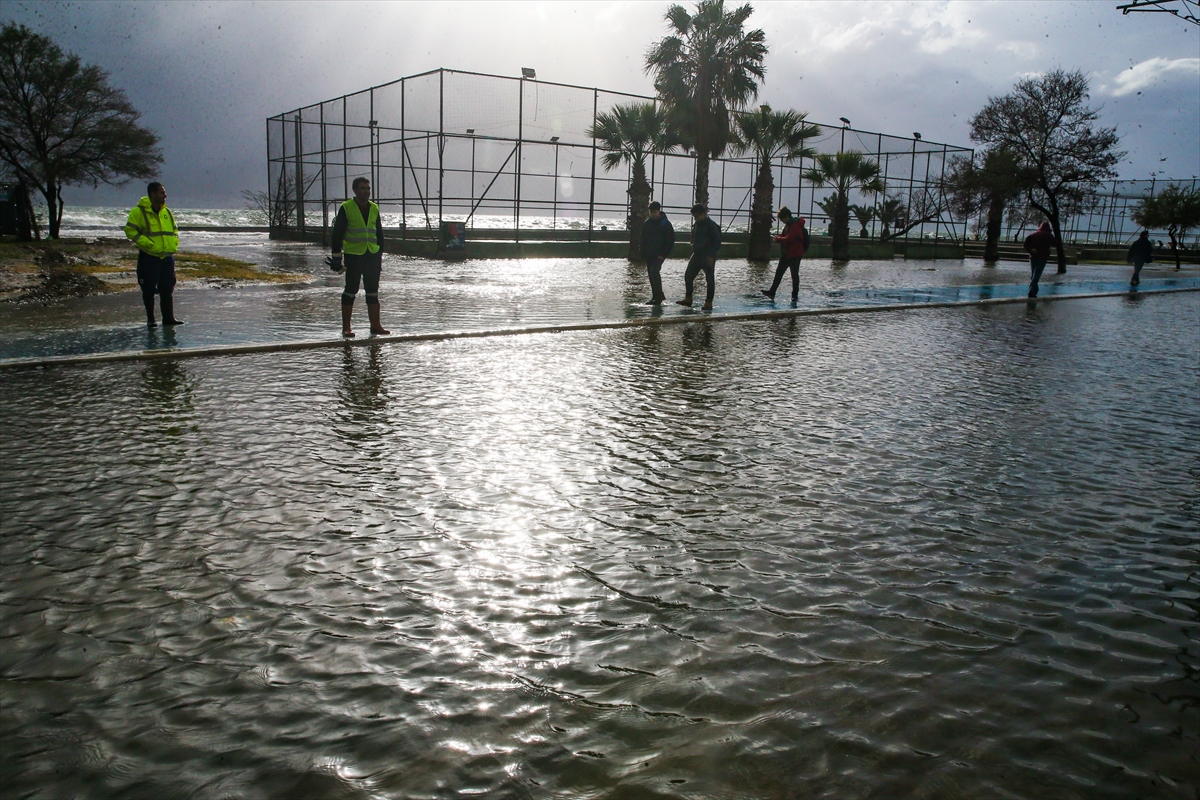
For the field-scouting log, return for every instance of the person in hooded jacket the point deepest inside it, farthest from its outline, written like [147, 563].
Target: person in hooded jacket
[658, 237]
[151, 226]
[1039, 244]
[793, 242]
[1140, 254]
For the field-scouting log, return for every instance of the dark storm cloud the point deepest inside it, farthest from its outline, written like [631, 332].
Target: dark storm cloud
[206, 75]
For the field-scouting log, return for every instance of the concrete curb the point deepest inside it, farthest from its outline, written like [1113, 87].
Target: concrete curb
[681, 319]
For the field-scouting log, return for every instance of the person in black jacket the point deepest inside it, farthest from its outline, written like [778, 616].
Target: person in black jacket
[1140, 254]
[658, 237]
[706, 241]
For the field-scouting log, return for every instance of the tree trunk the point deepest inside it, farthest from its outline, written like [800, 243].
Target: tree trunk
[1060, 248]
[52, 215]
[702, 178]
[58, 219]
[760, 214]
[995, 221]
[841, 229]
[639, 200]
[1174, 245]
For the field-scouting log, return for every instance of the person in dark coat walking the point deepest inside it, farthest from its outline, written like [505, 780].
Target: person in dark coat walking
[793, 242]
[658, 237]
[706, 241]
[1039, 244]
[1140, 254]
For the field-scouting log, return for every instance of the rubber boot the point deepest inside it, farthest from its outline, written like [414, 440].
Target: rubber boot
[168, 310]
[149, 303]
[376, 325]
[346, 312]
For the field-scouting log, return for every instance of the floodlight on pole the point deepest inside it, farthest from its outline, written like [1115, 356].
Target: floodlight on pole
[916, 136]
[553, 139]
[529, 72]
[845, 121]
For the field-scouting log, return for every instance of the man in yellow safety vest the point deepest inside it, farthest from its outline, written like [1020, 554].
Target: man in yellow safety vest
[151, 227]
[358, 232]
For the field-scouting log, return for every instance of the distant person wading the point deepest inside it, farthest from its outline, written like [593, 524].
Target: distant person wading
[358, 231]
[1039, 244]
[658, 237]
[706, 241]
[1140, 254]
[151, 226]
[793, 242]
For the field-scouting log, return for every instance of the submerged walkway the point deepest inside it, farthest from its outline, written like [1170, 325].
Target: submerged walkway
[130, 342]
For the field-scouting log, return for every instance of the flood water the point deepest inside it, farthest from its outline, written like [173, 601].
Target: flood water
[943, 553]
[423, 296]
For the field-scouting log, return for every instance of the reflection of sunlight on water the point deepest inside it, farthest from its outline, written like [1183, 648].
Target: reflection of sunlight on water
[771, 557]
[514, 488]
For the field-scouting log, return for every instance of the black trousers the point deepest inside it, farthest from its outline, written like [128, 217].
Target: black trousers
[786, 264]
[695, 265]
[156, 276]
[654, 271]
[363, 269]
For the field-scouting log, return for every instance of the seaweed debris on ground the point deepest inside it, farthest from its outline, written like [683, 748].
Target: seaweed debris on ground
[42, 271]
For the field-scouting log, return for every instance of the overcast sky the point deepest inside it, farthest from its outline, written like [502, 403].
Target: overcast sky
[206, 74]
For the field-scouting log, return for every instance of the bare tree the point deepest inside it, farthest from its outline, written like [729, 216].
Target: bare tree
[926, 205]
[1045, 123]
[61, 123]
[280, 207]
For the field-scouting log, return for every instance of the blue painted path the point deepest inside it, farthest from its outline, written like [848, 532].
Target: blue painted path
[236, 321]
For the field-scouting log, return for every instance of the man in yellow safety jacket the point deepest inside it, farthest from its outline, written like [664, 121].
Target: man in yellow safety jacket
[358, 232]
[151, 226]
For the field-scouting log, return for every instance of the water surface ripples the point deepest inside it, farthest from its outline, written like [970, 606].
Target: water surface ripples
[946, 553]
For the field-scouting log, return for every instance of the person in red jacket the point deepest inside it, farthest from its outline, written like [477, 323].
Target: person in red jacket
[793, 242]
[1039, 244]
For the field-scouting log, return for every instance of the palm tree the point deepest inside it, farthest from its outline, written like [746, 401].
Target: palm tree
[769, 135]
[708, 67]
[829, 206]
[890, 212]
[845, 172]
[864, 215]
[630, 133]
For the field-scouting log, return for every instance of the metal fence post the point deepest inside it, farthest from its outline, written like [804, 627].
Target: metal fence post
[441, 139]
[345, 155]
[371, 139]
[299, 176]
[519, 166]
[592, 190]
[403, 176]
[324, 190]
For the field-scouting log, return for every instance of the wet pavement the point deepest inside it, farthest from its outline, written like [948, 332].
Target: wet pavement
[422, 296]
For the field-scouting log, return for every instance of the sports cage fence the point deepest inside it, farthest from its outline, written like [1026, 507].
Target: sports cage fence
[511, 158]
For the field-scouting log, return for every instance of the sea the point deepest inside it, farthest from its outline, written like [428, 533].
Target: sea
[89, 220]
